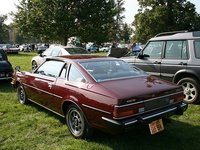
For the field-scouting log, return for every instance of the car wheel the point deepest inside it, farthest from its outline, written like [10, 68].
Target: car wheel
[34, 65]
[190, 87]
[77, 123]
[21, 95]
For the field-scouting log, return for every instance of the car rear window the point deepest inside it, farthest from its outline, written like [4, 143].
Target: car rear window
[111, 69]
[76, 51]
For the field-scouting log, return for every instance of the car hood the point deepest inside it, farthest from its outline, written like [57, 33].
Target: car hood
[138, 87]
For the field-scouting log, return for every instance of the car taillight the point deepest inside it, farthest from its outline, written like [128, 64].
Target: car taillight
[127, 110]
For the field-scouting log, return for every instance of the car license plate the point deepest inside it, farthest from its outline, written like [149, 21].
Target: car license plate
[156, 126]
[2, 74]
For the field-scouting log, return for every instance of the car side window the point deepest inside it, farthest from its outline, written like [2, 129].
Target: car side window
[176, 50]
[197, 49]
[75, 75]
[154, 49]
[50, 68]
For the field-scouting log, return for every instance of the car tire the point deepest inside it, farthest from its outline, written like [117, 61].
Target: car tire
[77, 123]
[191, 89]
[34, 65]
[21, 95]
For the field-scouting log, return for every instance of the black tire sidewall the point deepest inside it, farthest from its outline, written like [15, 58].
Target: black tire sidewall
[86, 126]
[20, 87]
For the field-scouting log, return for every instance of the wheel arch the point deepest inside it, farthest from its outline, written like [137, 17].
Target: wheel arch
[66, 105]
[185, 74]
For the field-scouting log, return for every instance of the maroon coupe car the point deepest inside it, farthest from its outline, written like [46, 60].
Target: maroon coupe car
[99, 92]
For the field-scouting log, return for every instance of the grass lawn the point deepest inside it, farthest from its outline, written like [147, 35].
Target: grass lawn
[32, 127]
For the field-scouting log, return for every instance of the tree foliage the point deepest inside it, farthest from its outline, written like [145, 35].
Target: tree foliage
[157, 16]
[57, 20]
[4, 30]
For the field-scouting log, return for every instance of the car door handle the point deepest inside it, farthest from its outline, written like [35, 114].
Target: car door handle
[157, 62]
[182, 63]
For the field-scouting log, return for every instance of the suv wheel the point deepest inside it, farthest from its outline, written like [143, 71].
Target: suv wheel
[190, 87]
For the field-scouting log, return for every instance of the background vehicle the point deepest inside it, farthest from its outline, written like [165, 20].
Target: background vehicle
[8, 48]
[6, 70]
[41, 47]
[173, 56]
[97, 92]
[91, 47]
[53, 51]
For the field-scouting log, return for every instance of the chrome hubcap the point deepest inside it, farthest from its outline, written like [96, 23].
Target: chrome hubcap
[189, 91]
[75, 122]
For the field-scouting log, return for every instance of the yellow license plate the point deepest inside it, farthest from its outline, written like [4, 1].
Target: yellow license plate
[156, 126]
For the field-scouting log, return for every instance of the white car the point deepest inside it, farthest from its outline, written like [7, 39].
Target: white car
[53, 51]
[104, 49]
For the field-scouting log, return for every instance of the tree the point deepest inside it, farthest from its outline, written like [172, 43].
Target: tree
[57, 20]
[4, 30]
[125, 33]
[157, 16]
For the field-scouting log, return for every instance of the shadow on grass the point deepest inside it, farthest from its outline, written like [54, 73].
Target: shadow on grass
[6, 87]
[177, 135]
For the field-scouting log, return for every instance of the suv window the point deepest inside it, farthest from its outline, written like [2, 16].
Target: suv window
[176, 50]
[197, 49]
[154, 49]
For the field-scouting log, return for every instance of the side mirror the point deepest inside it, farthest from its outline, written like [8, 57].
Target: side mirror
[17, 68]
[142, 56]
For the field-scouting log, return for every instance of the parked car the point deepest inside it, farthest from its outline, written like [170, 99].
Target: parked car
[41, 47]
[104, 48]
[56, 51]
[8, 48]
[91, 47]
[25, 48]
[174, 56]
[99, 92]
[6, 69]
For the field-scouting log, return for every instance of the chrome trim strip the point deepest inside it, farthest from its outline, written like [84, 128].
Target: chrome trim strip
[42, 91]
[148, 100]
[5, 78]
[131, 122]
[163, 112]
[111, 121]
[46, 108]
[96, 109]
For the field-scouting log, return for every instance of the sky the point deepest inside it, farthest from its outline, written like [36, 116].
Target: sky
[131, 7]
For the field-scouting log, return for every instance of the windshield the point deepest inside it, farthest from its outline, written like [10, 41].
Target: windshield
[76, 50]
[111, 69]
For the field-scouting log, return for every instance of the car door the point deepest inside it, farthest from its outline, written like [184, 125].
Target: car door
[42, 81]
[175, 58]
[69, 86]
[149, 58]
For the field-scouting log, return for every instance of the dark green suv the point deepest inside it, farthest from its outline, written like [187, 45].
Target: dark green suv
[173, 56]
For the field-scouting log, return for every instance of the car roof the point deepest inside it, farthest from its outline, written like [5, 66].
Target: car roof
[81, 58]
[176, 36]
